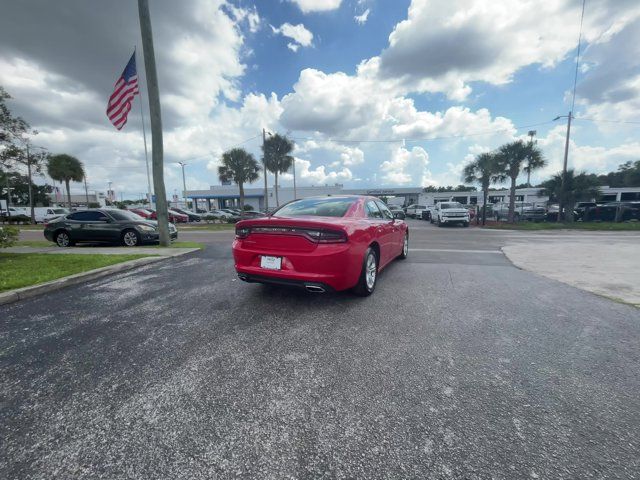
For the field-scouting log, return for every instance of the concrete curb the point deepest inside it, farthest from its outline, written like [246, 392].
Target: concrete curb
[29, 292]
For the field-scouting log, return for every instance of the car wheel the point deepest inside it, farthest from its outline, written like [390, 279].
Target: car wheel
[63, 239]
[405, 246]
[369, 275]
[439, 222]
[130, 238]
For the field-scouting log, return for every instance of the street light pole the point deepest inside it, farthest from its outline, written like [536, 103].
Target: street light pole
[184, 185]
[561, 213]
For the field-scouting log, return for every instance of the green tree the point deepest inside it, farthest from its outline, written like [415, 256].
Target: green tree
[579, 187]
[239, 167]
[11, 127]
[277, 157]
[511, 158]
[483, 170]
[65, 168]
[19, 184]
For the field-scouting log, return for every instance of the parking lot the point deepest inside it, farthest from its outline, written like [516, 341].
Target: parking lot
[459, 366]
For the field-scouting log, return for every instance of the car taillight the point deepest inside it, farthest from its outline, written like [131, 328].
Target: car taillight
[326, 236]
[243, 232]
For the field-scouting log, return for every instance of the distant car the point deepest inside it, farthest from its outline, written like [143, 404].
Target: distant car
[397, 212]
[111, 226]
[192, 216]
[143, 212]
[447, 213]
[252, 214]
[46, 214]
[174, 217]
[522, 211]
[414, 210]
[606, 212]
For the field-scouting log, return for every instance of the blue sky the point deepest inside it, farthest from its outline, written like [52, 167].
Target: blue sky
[439, 81]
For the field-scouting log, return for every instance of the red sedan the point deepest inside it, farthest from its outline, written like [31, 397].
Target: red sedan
[321, 244]
[174, 217]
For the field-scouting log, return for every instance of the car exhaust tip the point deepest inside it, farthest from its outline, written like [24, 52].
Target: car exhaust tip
[314, 288]
[243, 277]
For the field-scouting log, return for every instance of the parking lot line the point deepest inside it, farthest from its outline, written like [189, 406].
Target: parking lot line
[452, 250]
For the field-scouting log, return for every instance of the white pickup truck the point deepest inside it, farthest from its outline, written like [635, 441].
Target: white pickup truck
[415, 210]
[447, 213]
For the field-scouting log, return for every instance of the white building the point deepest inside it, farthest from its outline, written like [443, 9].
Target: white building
[221, 196]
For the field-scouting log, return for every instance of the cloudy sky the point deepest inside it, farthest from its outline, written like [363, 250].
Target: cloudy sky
[374, 92]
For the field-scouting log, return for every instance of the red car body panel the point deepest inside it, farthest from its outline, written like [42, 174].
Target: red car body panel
[174, 217]
[336, 265]
[142, 212]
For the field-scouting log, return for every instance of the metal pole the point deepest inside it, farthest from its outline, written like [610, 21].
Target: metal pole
[264, 166]
[564, 171]
[184, 185]
[144, 136]
[33, 213]
[156, 122]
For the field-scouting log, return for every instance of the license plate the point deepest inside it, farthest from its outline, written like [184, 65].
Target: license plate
[271, 263]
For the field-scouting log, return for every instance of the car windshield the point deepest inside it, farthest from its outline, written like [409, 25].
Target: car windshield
[445, 206]
[125, 215]
[319, 207]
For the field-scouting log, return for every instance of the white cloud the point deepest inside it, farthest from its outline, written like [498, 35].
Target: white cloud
[443, 46]
[319, 175]
[406, 167]
[363, 17]
[298, 33]
[308, 6]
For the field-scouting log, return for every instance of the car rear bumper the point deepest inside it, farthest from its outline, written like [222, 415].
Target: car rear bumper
[332, 266]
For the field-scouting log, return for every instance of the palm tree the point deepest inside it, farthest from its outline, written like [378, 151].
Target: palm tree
[483, 170]
[276, 156]
[579, 187]
[511, 158]
[240, 167]
[65, 168]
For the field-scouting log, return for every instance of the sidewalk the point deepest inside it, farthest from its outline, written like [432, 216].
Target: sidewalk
[608, 269]
[100, 250]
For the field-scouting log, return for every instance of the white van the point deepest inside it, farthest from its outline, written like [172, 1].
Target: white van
[46, 214]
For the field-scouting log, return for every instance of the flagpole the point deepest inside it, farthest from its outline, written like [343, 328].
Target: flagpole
[144, 135]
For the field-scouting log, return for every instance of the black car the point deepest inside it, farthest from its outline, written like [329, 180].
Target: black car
[111, 226]
[608, 212]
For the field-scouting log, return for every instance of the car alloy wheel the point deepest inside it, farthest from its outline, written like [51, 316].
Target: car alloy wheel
[63, 240]
[372, 270]
[130, 238]
[405, 246]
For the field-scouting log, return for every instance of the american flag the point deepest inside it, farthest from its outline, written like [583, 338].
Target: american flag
[125, 89]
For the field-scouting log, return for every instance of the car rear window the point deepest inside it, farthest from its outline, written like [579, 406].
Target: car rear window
[319, 207]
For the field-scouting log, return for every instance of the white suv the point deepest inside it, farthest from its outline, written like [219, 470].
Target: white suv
[450, 212]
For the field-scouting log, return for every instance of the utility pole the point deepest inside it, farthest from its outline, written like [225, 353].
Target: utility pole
[156, 122]
[184, 185]
[564, 171]
[264, 166]
[33, 213]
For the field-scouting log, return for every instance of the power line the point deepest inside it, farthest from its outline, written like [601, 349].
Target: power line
[594, 120]
[426, 139]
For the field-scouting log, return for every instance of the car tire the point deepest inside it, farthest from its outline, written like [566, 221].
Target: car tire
[439, 222]
[63, 239]
[130, 238]
[366, 284]
[405, 247]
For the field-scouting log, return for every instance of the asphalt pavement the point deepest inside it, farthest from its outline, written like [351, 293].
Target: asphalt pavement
[459, 366]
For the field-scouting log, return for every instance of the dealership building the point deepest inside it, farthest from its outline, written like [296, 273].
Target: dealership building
[221, 196]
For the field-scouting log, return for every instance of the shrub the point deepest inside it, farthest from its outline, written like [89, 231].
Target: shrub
[8, 236]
